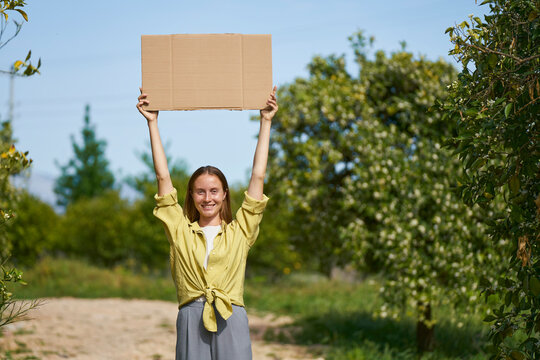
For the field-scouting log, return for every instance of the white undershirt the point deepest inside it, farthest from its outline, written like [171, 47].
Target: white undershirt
[210, 233]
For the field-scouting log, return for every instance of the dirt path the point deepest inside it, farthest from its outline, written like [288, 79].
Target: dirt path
[116, 329]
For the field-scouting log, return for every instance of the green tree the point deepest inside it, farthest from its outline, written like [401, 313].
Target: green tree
[361, 162]
[32, 230]
[495, 104]
[87, 174]
[12, 162]
[151, 248]
[97, 229]
[272, 256]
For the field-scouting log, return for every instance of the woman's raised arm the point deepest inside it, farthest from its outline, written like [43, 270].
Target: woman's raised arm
[256, 183]
[158, 154]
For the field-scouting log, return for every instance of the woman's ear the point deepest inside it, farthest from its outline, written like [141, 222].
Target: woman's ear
[225, 194]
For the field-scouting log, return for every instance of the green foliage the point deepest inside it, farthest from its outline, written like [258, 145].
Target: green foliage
[495, 103]
[32, 230]
[98, 229]
[19, 67]
[67, 277]
[87, 174]
[12, 162]
[12, 310]
[145, 182]
[15, 5]
[151, 247]
[8, 275]
[361, 163]
[272, 256]
[341, 317]
[303, 157]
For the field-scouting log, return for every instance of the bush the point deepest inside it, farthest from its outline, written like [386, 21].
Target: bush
[97, 229]
[31, 231]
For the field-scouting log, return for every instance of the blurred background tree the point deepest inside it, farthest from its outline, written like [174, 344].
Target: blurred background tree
[273, 255]
[495, 103]
[87, 174]
[97, 229]
[34, 228]
[360, 162]
[150, 248]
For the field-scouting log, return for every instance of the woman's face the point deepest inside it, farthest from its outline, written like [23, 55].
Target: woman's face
[208, 196]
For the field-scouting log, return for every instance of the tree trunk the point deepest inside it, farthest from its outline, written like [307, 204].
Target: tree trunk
[326, 267]
[425, 332]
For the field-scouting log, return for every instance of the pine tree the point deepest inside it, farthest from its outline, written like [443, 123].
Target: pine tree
[87, 174]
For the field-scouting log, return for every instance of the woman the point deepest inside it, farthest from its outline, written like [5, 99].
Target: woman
[208, 249]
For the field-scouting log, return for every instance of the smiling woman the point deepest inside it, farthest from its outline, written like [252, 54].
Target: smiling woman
[207, 200]
[208, 249]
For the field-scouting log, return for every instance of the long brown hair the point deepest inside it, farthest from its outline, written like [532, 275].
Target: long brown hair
[189, 205]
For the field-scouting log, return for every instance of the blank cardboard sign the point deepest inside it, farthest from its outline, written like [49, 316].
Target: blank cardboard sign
[206, 71]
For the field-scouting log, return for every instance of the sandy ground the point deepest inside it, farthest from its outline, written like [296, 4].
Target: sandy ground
[116, 329]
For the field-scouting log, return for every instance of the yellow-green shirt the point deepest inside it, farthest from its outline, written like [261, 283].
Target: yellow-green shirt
[222, 283]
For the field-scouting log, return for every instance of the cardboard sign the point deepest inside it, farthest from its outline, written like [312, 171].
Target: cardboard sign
[206, 71]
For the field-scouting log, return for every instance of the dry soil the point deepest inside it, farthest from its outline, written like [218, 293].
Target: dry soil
[117, 329]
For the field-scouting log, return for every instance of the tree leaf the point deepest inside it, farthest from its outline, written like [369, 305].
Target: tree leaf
[508, 298]
[507, 110]
[513, 184]
[23, 14]
[515, 299]
[17, 65]
[478, 163]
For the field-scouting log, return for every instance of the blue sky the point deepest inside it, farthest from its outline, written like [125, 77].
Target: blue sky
[90, 52]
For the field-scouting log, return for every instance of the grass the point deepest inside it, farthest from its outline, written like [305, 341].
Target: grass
[65, 277]
[334, 314]
[340, 315]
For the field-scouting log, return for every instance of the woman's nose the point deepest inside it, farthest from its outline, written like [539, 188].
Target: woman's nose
[207, 197]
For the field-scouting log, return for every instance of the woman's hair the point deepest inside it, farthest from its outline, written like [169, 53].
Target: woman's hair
[189, 205]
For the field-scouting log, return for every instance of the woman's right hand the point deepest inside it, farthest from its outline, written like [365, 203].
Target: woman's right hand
[150, 116]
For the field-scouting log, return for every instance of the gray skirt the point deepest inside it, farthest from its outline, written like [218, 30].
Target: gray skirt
[194, 342]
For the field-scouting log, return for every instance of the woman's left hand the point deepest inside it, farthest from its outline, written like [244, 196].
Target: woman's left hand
[271, 106]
